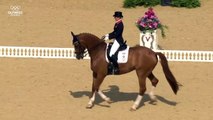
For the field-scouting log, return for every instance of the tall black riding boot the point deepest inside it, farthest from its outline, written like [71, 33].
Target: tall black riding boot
[115, 65]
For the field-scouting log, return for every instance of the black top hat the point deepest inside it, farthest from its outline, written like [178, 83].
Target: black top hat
[118, 14]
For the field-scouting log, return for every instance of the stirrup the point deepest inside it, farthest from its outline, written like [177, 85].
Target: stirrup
[115, 70]
[112, 70]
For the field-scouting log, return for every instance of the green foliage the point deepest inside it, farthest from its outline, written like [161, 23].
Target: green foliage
[147, 3]
[186, 3]
[134, 3]
[129, 4]
[151, 2]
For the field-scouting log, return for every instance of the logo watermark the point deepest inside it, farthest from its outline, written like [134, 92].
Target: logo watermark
[15, 10]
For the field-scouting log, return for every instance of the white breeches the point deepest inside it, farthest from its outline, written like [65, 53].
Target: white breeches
[114, 48]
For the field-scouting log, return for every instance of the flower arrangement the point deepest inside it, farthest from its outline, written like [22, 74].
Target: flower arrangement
[150, 22]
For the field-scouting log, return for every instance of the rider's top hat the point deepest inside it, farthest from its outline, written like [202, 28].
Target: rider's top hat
[118, 14]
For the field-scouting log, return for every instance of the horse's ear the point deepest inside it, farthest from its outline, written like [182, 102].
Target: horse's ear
[72, 34]
[75, 40]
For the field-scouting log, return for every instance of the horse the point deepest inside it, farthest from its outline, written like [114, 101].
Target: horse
[141, 59]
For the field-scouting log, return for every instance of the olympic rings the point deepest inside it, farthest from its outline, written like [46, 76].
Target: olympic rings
[15, 7]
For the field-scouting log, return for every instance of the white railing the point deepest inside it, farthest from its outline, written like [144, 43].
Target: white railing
[191, 56]
[68, 53]
[36, 52]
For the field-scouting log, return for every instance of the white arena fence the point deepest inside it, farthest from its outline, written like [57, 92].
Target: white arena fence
[68, 53]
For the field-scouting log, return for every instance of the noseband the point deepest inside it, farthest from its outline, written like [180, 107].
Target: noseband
[81, 50]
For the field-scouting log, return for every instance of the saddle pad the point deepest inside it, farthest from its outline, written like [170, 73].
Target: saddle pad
[122, 55]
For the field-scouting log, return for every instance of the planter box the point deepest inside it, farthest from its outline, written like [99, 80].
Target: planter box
[149, 39]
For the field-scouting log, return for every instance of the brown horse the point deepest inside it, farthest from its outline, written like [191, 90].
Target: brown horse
[141, 59]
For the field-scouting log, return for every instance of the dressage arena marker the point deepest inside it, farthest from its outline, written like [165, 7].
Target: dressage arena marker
[68, 53]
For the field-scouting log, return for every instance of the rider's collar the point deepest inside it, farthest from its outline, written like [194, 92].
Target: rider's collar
[118, 21]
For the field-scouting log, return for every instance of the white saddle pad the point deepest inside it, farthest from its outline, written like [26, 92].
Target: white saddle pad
[122, 55]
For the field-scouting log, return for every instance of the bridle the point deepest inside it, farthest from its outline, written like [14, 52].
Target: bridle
[80, 50]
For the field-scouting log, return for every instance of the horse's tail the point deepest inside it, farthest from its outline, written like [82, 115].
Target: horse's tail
[167, 72]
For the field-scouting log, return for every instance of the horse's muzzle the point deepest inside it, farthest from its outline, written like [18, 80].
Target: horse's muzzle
[79, 56]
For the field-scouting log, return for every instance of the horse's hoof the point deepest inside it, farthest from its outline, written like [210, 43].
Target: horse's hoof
[109, 101]
[89, 106]
[153, 102]
[153, 99]
[132, 109]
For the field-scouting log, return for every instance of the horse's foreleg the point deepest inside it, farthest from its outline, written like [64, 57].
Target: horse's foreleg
[92, 97]
[97, 80]
[91, 101]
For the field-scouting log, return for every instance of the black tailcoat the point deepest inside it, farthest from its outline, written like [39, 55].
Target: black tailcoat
[117, 33]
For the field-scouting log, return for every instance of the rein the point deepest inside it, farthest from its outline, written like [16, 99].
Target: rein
[85, 52]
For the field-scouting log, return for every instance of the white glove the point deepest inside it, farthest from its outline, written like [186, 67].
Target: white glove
[106, 37]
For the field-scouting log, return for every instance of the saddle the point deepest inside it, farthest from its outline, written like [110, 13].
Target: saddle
[121, 56]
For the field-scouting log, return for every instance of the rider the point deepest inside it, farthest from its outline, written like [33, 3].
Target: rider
[116, 35]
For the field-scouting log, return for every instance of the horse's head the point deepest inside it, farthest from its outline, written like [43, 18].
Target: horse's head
[80, 50]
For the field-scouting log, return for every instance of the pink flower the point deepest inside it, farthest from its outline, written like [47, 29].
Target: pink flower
[149, 21]
[152, 17]
[142, 24]
[155, 24]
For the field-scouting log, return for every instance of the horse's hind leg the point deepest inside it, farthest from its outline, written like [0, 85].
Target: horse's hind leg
[142, 83]
[153, 79]
[154, 82]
